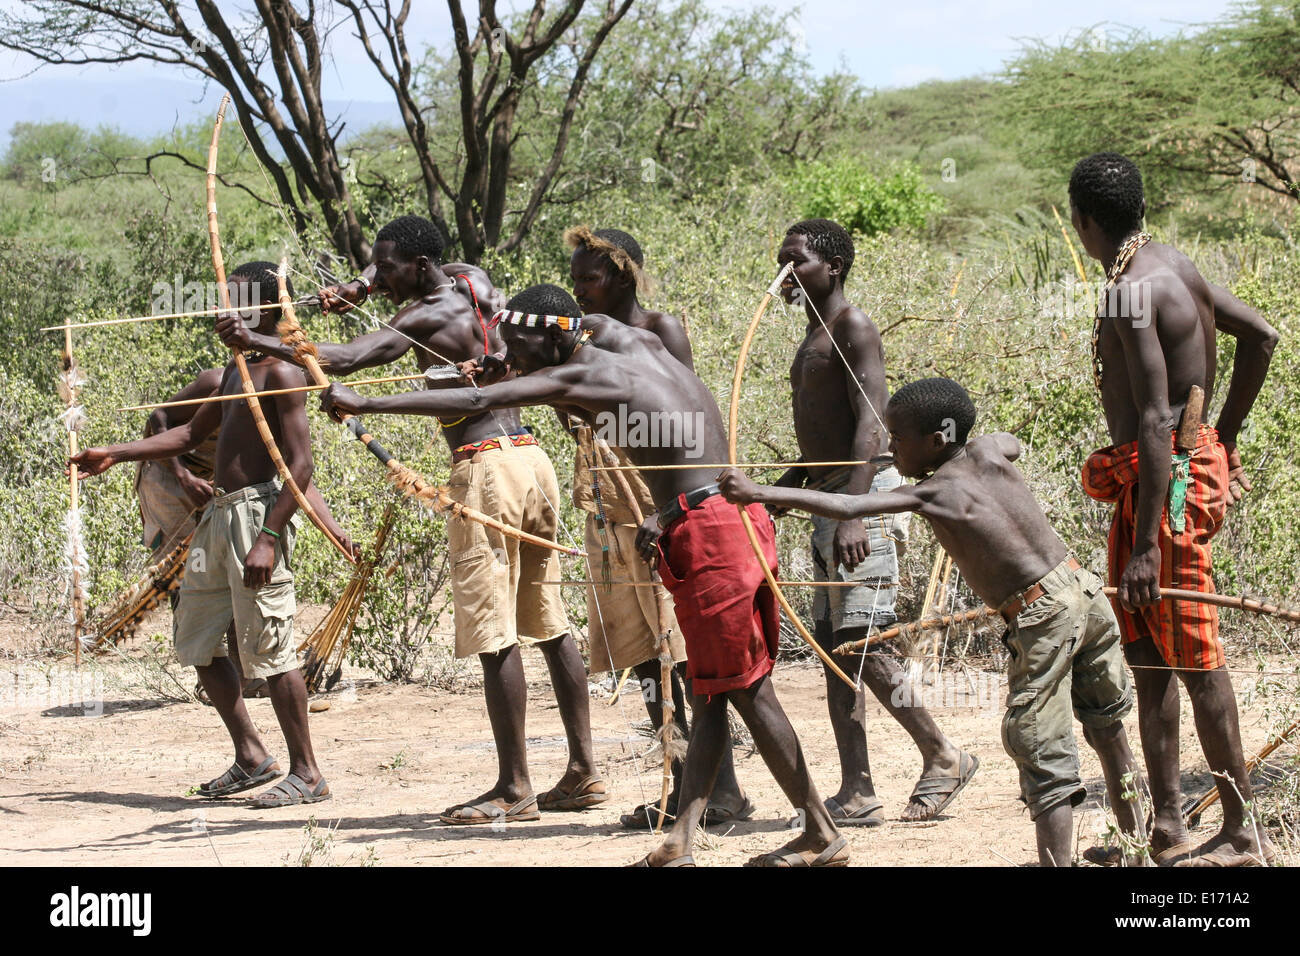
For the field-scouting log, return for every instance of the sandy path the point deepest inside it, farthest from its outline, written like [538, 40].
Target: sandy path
[110, 790]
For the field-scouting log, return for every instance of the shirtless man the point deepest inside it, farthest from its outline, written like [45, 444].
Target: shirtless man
[246, 537]
[839, 393]
[593, 367]
[607, 271]
[172, 493]
[498, 468]
[1062, 637]
[1154, 339]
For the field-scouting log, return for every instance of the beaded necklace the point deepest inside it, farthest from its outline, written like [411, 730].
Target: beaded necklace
[1122, 259]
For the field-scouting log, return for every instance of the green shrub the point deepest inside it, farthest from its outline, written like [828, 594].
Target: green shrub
[863, 202]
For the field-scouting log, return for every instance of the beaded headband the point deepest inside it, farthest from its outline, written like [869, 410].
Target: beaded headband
[530, 321]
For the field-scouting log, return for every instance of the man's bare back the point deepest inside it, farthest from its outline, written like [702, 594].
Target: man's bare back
[620, 371]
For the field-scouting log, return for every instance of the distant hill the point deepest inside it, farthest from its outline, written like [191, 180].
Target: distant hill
[138, 106]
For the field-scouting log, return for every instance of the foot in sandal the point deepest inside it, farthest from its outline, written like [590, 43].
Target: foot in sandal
[1219, 851]
[933, 793]
[489, 810]
[237, 779]
[586, 793]
[291, 792]
[804, 852]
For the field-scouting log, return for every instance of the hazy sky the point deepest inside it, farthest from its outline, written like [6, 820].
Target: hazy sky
[886, 44]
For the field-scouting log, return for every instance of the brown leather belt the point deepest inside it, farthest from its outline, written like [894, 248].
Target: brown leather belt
[1014, 605]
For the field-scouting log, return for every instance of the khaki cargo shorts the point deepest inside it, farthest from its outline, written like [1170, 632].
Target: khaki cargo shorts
[623, 623]
[497, 604]
[1065, 656]
[212, 592]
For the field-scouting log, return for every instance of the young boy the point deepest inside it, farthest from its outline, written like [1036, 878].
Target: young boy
[592, 367]
[497, 468]
[607, 271]
[239, 566]
[839, 392]
[1153, 342]
[1062, 636]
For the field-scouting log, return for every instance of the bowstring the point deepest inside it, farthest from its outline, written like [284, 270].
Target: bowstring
[812, 305]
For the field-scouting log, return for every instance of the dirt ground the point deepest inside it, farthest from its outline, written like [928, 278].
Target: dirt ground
[110, 789]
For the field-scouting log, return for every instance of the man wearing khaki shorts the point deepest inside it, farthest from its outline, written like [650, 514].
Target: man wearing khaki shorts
[238, 570]
[171, 494]
[1065, 662]
[442, 319]
[499, 609]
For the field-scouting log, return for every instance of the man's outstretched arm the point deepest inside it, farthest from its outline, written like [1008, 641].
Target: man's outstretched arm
[540, 388]
[168, 444]
[741, 490]
[371, 350]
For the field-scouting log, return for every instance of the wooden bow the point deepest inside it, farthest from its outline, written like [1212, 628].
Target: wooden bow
[407, 480]
[732, 440]
[223, 292]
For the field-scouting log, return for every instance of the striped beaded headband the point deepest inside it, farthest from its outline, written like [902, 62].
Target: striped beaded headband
[528, 320]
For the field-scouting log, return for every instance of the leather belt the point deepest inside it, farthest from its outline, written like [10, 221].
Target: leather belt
[1011, 609]
[683, 503]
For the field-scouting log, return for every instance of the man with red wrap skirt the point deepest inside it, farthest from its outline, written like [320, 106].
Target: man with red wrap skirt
[1154, 343]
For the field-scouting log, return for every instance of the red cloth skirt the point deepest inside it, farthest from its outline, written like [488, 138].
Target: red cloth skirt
[728, 615]
[1186, 632]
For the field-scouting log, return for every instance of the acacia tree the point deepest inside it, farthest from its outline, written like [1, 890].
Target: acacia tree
[269, 57]
[682, 100]
[1204, 110]
[494, 65]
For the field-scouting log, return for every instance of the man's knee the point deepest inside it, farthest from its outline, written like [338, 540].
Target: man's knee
[556, 646]
[1104, 738]
[1211, 688]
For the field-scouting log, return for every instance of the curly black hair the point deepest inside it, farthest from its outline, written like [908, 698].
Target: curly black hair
[414, 236]
[931, 404]
[826, 238]
[544, 299]
[1107, 188]
[261, 276]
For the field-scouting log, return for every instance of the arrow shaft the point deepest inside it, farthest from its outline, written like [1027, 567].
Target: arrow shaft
[236, 396]
[168, 315]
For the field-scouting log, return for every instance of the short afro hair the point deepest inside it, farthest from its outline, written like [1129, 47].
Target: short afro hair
[261, 275]
[1107, 188]
[936, 405]
[544, 299]
[826, 238]
[414, 236]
